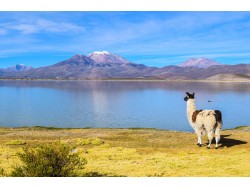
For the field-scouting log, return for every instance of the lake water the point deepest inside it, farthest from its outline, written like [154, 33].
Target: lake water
[118, 104]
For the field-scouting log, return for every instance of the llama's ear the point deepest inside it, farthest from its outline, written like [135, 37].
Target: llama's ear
[193, 94]
[187, 93]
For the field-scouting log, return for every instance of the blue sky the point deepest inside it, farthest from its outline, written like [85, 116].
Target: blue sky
[151, 38]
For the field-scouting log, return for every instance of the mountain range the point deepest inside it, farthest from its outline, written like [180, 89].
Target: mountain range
[106, 65]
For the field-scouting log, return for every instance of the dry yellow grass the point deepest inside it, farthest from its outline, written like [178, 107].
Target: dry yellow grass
[138, 152]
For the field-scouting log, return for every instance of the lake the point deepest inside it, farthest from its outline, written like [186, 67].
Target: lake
[118, 104]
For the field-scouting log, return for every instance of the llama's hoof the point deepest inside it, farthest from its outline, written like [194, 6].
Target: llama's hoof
[208, 147]
[216, 147]
[199, 145]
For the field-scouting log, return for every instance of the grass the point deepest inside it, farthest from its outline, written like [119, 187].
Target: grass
[137, 152]
[16, 142]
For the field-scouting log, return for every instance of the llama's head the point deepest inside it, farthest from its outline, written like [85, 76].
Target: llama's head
[189, 96]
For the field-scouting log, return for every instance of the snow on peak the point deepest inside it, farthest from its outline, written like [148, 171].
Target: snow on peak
[101, 53]
[199, 63]
[106, 57]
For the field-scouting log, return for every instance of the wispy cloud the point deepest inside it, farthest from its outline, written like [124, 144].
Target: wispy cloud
[23, 28]
[3, 31]
[40, 26]
[155, 38]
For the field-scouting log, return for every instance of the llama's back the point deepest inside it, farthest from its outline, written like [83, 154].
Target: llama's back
[209, 119]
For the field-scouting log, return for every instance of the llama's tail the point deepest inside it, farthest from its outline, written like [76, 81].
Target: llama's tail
[218, 128]
[218, 117]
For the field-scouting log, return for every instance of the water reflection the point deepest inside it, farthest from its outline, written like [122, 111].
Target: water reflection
[149, 104]
[129, 85]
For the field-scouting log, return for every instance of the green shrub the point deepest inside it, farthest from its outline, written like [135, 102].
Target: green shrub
[2, 172]
[89, 141]
[94, 174]
[50, 160]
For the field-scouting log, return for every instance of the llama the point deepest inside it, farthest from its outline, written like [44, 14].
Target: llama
[202, 121]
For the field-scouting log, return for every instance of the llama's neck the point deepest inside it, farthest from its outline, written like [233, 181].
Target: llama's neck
[190, 109]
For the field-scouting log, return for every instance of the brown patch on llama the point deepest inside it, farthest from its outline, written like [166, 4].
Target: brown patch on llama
[195, 114]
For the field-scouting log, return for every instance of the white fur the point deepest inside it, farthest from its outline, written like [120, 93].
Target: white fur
[205, 122]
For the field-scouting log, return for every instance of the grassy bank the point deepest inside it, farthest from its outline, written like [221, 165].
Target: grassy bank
[137, 152]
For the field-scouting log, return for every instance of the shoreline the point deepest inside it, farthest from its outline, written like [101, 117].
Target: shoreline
[247, 127]
[129, 80]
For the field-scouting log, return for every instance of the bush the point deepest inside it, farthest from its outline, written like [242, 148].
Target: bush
[2, 172]
[94, 174]
[89, 141]
[51, 160]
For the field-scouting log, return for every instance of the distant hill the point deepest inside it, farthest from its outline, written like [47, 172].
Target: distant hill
[199, 63]
[230, 77]
[106, 65]
[190, 73]
[18, 67]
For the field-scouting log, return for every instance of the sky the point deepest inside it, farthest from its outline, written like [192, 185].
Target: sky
[152, 38]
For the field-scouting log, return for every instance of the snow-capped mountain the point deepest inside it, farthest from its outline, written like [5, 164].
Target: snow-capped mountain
[199, 63]
[106, 57]
[105, 65]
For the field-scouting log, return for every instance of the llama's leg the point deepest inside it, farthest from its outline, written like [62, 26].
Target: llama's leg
[217, 136]
[200, 139]
[210, 135]
[198, 143]
[197, 133]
